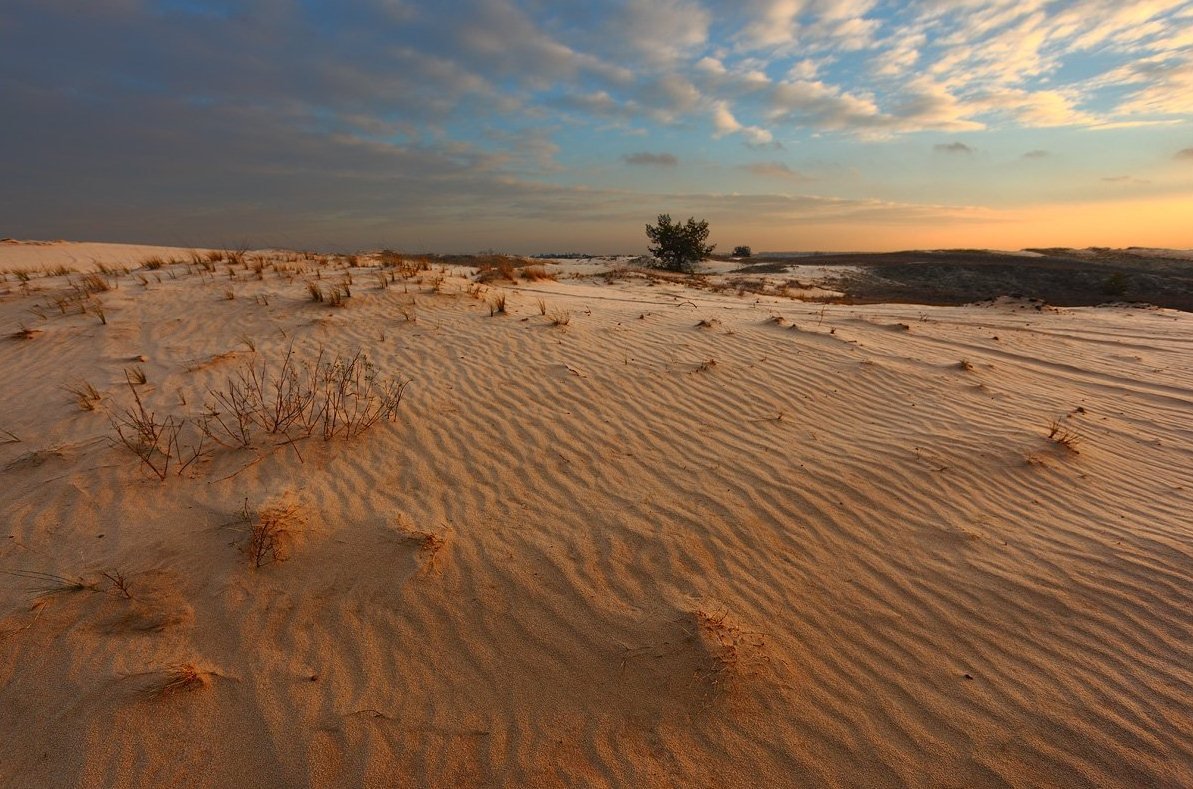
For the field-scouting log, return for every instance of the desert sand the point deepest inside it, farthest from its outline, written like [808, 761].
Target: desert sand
[642, 534]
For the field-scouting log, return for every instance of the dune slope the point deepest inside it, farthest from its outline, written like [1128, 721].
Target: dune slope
[688, 538]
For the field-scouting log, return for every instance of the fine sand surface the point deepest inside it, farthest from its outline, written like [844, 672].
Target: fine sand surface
[794, 545]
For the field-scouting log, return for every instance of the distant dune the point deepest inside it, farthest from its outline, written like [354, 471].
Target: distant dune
[581, 524]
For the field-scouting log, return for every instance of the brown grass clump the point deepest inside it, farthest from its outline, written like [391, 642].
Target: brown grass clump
[315, 291]
[85, 395]
[559, 317]
[536, 273]
[495, 268]
[24, 333]
[338, 295]
[497, 305]
[1064, 436]
[92, 283]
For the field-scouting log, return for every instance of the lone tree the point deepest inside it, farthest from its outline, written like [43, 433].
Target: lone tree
[679, 247]
[742, 252]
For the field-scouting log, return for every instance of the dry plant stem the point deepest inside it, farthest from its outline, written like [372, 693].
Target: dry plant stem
[157, 443]
[341, 397]
[49, 584]
[1064, 435]
[119, 584]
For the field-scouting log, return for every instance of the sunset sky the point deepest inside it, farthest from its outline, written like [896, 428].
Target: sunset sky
[531, 126]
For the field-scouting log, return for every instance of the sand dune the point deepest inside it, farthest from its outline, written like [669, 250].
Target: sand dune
[687, 539]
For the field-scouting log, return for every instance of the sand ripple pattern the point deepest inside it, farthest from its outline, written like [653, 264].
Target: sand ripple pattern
[814, 551]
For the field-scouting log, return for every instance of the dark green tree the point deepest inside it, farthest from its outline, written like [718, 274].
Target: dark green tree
[679, 247]
[742, 252]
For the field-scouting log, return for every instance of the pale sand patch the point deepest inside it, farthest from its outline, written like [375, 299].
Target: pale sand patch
[797, 545]
[82, 256]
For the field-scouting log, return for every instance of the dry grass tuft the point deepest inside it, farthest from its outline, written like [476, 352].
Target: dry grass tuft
[85, 395]
[497, 268]
[536, 273]
[497, 305]
[50, 584]
[315, 291]
[559, 317]
[711, 323]
[1064, 435]
[91, 284]
[24, 333]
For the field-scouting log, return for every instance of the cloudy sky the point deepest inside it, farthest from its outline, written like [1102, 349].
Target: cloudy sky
[527, 125]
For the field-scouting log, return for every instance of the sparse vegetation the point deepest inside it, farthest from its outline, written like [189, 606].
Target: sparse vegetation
[119, 583]
[341, 397]
[270, 532]
[497, 305]
[49, 584]
[85, 395]
[1064, 435]
[536, 273]
[161, 444]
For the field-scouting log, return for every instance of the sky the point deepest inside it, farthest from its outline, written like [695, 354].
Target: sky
[531, 126]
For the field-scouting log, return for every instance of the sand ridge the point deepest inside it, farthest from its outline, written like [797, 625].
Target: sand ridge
[688, 538]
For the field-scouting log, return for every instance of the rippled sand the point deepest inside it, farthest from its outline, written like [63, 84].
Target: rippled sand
[794, 545]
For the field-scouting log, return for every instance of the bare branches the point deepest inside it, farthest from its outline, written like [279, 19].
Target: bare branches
[336, 398]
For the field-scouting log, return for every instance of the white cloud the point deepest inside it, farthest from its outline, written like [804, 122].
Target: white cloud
[725, 123]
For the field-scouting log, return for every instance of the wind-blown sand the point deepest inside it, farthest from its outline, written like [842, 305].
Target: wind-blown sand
[797, 545]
